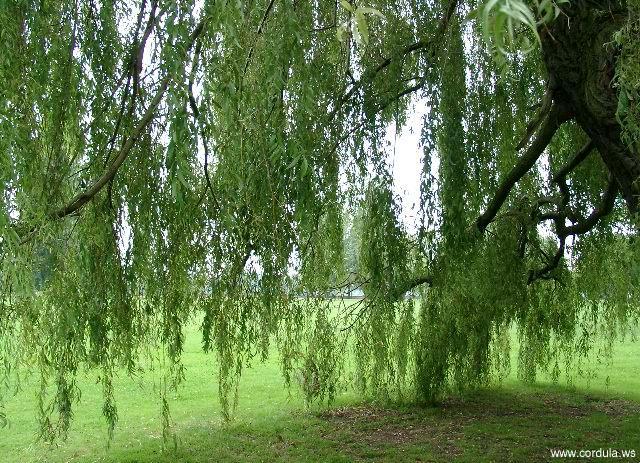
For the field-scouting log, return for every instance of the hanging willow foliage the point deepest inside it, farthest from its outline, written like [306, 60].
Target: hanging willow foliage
[168, 162]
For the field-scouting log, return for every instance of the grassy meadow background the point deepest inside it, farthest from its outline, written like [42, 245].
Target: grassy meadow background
[508, 422]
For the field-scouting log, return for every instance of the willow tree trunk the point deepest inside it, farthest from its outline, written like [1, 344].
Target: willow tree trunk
[580, 57]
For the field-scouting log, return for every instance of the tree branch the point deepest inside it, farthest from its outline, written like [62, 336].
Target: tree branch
[604, 209]
[562, 231]
[195, 111]
[133, 72]
[87, 195]
[545, 107]
[419, 45]
[549, 126]
[397, 96]
[576, 160]
[414, 283]
[260, 28]
[543, 273]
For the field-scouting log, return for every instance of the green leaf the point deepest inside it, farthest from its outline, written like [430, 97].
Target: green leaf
[362, 27]
[347, 6]
[473, 14]
[340, 32]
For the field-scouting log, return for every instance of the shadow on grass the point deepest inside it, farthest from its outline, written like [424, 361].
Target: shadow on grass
[492, 425]
[500, 424]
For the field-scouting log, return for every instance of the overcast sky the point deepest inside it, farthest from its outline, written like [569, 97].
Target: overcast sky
[406, 160]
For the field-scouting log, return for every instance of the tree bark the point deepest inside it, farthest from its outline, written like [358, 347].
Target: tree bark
[580, 57]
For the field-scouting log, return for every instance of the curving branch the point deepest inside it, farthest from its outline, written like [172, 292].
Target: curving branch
[545, 107]
[260, 29]
[407, 91]
[87, 195]
[363, 306]
[414, 283]
[555, 118]
[562, 230]
[195, 112]
[544, 272]
[604, 209]
[574, 162]
[134, 68]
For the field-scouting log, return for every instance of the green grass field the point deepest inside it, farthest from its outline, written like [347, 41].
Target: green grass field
[509, 422]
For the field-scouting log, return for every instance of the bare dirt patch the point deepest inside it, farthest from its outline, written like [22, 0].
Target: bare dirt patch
[444, 428]
[380, 427]
[614, 407]
[547, 404]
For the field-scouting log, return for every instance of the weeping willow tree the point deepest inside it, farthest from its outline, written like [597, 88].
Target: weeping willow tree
[170, 162]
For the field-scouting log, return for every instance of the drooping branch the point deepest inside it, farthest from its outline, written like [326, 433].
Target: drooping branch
[416, 46]
[260, 29]
[414, 283]
[548, 128]
[87, 195]
[195, 111]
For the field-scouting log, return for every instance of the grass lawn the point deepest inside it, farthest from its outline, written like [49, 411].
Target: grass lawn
[509, 422]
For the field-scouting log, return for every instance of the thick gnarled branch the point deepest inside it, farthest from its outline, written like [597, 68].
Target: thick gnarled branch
[604, 209]
[559, 218]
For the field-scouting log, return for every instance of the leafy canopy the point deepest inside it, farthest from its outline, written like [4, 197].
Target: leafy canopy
[167, 162]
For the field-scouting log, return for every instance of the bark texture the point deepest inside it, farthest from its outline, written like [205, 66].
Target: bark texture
[580, 57]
